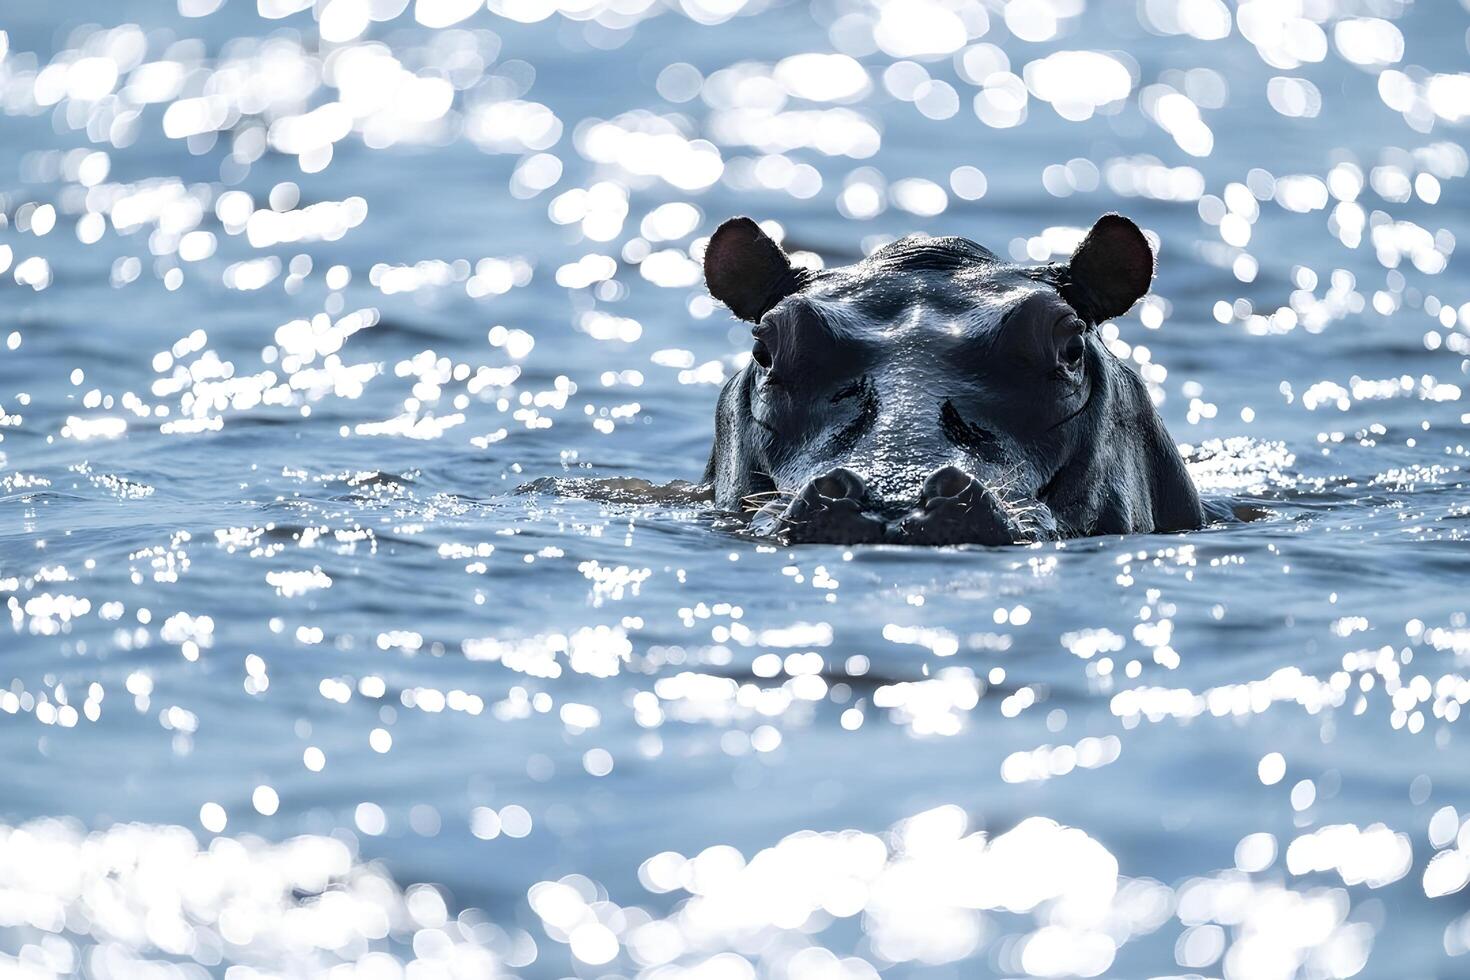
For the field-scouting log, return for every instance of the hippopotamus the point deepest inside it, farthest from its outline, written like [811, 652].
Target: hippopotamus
[936, 394]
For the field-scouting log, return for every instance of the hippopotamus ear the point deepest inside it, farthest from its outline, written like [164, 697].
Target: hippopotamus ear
[1109, 271]
[746, 270]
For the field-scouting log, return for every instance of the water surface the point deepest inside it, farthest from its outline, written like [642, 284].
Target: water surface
[294, 300]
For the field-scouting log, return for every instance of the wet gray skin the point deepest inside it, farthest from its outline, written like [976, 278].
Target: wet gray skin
[935, 394]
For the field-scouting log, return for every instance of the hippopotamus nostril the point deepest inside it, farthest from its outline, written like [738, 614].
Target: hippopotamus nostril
[950, 481]
[832, 508]
[954, 507]
[841, 484]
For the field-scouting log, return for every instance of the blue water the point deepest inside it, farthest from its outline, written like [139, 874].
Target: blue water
[325, 584]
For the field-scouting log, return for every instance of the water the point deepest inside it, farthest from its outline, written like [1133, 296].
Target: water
[286, 646]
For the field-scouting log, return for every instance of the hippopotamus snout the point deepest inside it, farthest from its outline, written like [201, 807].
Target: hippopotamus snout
[953, 507]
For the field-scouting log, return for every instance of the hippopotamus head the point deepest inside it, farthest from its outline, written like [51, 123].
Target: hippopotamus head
[936, 394]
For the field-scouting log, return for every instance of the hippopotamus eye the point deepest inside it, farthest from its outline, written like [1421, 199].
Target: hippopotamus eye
[1072, 351]
[761, 354]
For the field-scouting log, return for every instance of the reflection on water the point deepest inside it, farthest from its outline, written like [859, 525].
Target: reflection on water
[118, 902]
[349, 350]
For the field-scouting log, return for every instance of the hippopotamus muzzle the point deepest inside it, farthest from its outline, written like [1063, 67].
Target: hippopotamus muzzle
[953, 507]
[933, 394]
